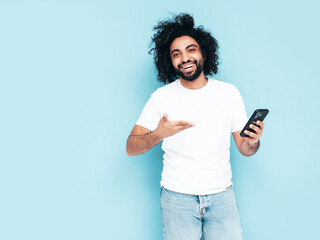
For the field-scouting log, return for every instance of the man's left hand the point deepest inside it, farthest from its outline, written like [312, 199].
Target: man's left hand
[254, 136]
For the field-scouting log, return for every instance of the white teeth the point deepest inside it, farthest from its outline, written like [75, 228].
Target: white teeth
[188, 66]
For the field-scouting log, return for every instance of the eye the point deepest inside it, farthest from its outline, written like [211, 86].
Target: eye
[175, 55]
[192, 50]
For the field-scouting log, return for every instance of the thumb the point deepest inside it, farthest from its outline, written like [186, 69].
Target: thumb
[165, 116]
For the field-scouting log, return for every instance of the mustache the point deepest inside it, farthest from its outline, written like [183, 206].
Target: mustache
[189, 61]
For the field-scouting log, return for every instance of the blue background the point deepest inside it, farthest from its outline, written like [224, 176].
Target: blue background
[75, 76]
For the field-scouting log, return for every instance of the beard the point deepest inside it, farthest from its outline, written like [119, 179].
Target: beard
[190, 76]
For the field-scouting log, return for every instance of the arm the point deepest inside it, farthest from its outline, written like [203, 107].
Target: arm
[142, 140]
[249, 145]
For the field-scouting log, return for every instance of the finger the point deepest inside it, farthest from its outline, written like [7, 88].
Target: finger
[261, 124]
[183, 123]
[251, 134]
[181, 128]
[165, 115]
[255, 128]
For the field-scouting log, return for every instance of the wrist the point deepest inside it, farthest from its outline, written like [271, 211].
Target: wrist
[159, 134]
[253, 143]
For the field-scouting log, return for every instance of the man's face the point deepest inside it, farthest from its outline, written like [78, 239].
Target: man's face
[186, 58]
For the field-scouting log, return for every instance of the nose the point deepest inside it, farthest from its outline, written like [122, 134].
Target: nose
[185, 57]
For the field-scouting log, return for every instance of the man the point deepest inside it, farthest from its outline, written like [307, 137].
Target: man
[194, 116]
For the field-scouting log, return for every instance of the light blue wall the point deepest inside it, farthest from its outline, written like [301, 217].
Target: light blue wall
[74, 78]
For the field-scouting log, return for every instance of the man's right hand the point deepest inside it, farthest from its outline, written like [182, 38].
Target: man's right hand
[167, 128]
[142, 139]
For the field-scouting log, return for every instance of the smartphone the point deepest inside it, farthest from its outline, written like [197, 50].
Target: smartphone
[258, 114]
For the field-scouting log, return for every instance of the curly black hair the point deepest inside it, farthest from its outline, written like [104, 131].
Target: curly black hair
[181, 25]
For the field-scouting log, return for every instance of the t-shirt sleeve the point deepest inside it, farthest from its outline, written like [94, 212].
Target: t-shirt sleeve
[240, 117]
[151, 114]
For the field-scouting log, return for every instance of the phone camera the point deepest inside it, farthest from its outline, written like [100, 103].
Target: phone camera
[259, 114]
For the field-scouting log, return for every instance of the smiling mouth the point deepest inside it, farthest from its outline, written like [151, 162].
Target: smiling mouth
[188, 66]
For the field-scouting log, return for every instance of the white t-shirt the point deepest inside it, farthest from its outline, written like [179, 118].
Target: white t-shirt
[196, 160]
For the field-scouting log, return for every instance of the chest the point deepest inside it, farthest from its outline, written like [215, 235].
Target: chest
[205, 111]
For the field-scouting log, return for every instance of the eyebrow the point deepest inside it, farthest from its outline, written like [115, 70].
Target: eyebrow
[191, 45]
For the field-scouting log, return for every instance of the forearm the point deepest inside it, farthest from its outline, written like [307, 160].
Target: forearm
[248, 149]
[138, 144]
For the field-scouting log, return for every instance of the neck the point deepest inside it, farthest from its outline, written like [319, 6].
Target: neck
[198, 83]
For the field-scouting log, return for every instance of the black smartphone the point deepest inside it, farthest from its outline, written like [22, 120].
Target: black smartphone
[258, 114]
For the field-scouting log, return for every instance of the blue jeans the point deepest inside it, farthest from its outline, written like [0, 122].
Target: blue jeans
[187, 217]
